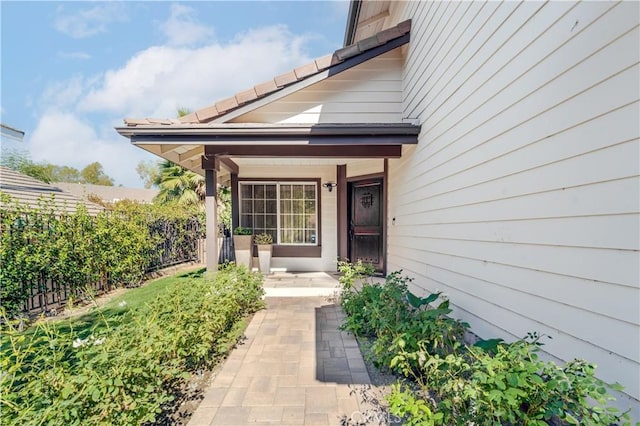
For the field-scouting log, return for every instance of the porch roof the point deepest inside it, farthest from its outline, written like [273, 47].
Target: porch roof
[196, 140]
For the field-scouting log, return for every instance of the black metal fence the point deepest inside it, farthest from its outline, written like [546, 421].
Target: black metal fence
[178, 242]
[49, 297]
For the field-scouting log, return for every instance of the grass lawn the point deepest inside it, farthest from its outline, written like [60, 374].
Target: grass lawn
[113, 312]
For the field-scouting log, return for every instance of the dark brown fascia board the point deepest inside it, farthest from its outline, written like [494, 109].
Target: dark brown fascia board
[271, 129]
[267, 140]
[304, 151]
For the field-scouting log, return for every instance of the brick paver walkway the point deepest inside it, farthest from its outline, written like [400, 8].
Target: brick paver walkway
[294, 368]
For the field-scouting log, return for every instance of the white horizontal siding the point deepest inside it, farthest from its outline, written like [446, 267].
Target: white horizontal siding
[364, 167]
[521, 200]
[367, 93]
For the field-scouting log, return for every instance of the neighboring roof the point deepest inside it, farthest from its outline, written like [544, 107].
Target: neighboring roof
[109, 193]
[11, 133]
[28, 191]
[334, 62]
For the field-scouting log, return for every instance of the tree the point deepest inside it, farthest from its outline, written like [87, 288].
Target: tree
[20, 162]
[179, 185]
[149, 172]
[94, 174]
[65, 174]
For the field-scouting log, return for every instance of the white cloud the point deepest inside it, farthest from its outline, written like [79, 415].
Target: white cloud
[76, 126]
[64, 93]
[65, 139]
[159, 79]
[183, 29]
[88, 22]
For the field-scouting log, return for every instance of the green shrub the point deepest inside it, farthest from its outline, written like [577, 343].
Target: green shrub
[450, 383]
[76, 250]
[511, 387]
[389, 313]
[127, 371]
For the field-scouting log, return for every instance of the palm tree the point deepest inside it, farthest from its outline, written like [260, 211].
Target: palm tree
[179, 186]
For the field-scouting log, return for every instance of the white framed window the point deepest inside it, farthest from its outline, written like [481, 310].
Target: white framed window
[286, 210]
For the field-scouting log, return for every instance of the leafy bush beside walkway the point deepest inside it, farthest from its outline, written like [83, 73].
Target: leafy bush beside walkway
[448, 382]
[127, 365]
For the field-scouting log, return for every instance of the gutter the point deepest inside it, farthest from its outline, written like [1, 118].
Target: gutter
[352, 22]
[269, 130]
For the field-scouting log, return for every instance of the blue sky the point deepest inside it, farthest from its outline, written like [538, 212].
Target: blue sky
[71, 71]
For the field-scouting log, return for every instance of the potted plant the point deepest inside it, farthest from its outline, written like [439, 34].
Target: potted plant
[242, 246]
[264, 242]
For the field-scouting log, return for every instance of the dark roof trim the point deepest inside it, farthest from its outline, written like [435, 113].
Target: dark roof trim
[257, 130]
[369, 54]
[299, 151]
[297, 140]
[352, 21]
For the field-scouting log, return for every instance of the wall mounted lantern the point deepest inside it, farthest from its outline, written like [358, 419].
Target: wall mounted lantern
[330, 185]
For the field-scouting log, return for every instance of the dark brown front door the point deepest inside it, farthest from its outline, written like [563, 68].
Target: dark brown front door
[366, 222]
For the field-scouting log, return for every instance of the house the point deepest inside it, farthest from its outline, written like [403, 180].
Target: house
[31, 193]
[490, 150]
[110, 194]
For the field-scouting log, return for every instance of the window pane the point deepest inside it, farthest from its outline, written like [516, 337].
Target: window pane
[298, 206]
[246, 221]
[258, 191]
[309, 237]
[246, 191]
[298, 191]
[246, 206]
[285, 206]
[258, 206]
[309, 206]
[258, 223]
[310, 192]
[285, 191]
[271, 206]
[270, 192]
[271, 221]
[311, 221]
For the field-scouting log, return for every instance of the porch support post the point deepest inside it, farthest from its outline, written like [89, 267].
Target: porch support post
[385, 215]
[235, 200]
[343, 230]
[211, 212]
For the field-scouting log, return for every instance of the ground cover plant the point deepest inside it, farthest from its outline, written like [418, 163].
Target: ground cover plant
[124, 364]
[446, 381]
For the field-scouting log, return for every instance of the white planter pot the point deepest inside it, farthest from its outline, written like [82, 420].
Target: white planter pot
[242, 247]
[265, 252]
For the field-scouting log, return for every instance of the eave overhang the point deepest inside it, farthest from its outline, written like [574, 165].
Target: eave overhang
[269, 134]
[198, 147]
